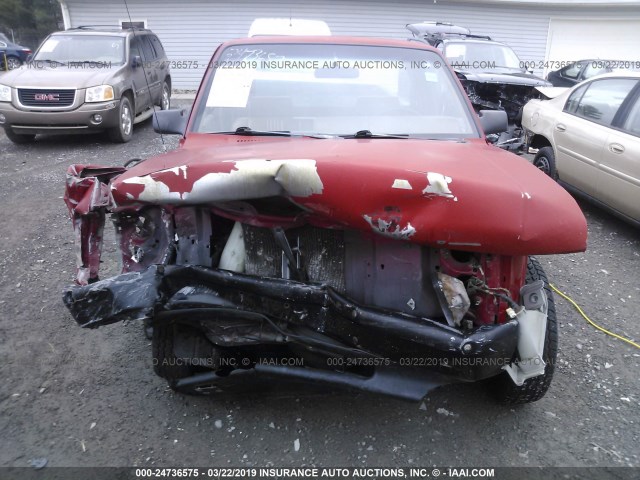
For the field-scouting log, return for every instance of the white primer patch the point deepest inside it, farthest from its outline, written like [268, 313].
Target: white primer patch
[252, 178]
[177, 171]
[153, 189]
[439, 185]
[401, 184]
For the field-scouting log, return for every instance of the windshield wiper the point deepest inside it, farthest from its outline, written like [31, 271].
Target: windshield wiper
[86, 61]
[51, 61]
[266, 133]
[269, 133]
[368, 134]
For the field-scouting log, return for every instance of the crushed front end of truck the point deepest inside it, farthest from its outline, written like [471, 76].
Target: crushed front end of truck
[345, 226]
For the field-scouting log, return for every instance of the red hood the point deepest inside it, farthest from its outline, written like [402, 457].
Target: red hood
[466, 196]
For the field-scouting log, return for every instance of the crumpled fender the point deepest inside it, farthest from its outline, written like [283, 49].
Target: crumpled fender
[87, 196]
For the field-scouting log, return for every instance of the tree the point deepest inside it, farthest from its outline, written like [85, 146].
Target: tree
[29, 21]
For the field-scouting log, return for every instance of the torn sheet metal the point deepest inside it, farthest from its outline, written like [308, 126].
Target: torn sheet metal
[390, 227]
[87, 197]
[87, 187]
[457, 301]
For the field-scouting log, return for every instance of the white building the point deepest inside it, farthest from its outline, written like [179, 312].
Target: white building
[539, 31]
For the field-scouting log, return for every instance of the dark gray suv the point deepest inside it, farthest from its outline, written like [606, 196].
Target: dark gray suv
[86, 79]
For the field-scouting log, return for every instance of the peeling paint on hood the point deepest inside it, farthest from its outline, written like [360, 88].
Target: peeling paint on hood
[466, 194]
[251, 178]
[439, 185]
[401, 184]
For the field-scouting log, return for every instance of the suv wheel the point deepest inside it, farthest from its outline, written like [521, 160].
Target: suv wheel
[18, 138]
[545, 160]
[165, 100]
[122, 132]
[534, 388]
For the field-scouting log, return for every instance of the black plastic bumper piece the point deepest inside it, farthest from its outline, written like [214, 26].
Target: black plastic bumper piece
[404, 339]
[129, 296]
[393, 381]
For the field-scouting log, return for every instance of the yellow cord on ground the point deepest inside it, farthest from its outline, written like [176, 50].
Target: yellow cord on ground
[566, 297]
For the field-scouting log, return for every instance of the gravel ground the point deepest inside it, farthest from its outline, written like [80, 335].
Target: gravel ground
[89, 398]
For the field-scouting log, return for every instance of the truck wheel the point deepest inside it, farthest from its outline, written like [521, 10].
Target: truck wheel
[18, 138]
[545, 161]
[165, 362]
[534, 388]
[123, 132]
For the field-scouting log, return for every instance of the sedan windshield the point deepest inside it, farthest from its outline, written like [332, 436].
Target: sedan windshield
[345, 90]
[67, 49]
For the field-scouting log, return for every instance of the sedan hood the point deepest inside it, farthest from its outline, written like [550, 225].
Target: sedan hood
[61, 77]
[460, 195]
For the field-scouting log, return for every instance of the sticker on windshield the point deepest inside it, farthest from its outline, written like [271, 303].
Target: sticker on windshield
[49, 46]
[231, 87]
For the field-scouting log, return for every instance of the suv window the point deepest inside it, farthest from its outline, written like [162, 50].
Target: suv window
[157, 46]
[136, 48]
[601, 100]
[147, 49]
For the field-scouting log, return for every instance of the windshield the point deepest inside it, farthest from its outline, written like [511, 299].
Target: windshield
[313, 89]
[82, 48]
[481, 56]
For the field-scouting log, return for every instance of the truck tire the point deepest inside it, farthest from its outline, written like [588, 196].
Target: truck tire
[165, 362]
[533, 389]
[123, 131]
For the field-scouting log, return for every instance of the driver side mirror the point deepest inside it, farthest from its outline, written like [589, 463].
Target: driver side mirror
[493, 121]
[136, 61]
[171, 121]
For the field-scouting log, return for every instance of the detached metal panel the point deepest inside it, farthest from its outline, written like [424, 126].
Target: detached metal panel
[191, 30]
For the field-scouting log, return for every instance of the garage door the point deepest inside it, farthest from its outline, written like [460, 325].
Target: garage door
[579, 39]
